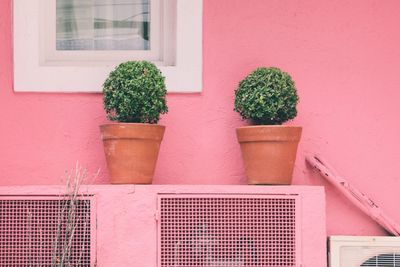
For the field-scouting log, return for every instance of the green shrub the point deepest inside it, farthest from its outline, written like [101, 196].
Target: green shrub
[135, 92]
[267, 96]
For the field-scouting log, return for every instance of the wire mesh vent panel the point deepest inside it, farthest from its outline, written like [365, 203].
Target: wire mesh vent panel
[227, 231]
[36, 232]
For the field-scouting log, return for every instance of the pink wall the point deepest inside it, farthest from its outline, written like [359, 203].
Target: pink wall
[343, 55]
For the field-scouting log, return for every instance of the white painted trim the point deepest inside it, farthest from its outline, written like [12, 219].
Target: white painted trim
[184, 74]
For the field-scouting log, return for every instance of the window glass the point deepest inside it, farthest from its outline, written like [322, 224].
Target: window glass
[103, 25]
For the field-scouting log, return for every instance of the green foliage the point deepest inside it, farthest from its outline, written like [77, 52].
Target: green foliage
[135, 92]
[267, 96]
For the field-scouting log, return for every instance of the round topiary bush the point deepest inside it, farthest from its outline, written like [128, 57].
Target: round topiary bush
[135, 92]
[267, 96]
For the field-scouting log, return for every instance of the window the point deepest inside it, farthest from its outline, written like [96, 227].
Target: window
[83, 31]
[72, 45]
[104, 24]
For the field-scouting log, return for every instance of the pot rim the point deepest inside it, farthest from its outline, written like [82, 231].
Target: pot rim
[132, 124]
[269, 126]
[132, 131]
[266, 133]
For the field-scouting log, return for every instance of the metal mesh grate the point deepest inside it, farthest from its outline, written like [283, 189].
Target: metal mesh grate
[384, 260]
[227, 231]
[33, 231]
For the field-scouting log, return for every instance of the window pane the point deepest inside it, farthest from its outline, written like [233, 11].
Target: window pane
[103, 25]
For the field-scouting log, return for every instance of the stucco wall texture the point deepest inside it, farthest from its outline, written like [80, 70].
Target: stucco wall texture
[343, 55]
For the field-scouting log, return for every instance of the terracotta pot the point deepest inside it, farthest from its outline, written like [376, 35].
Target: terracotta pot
[269, 152]
[131, 151]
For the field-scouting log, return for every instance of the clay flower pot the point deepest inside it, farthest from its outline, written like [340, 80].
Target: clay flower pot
[131, 151]
[269, 152]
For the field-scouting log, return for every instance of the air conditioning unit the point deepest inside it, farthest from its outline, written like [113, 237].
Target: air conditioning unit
[358, 251]
[174, 225]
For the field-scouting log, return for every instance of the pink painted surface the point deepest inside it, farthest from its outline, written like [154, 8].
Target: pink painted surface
[127, 226]
[342, 54]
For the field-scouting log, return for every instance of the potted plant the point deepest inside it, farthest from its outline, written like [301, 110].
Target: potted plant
[134, 95]
[268, 97]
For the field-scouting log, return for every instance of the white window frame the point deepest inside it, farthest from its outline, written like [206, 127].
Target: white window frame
[38, 67]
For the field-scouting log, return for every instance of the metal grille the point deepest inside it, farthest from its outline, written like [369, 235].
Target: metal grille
[36, 230]
[386, 260]
[209, 230]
